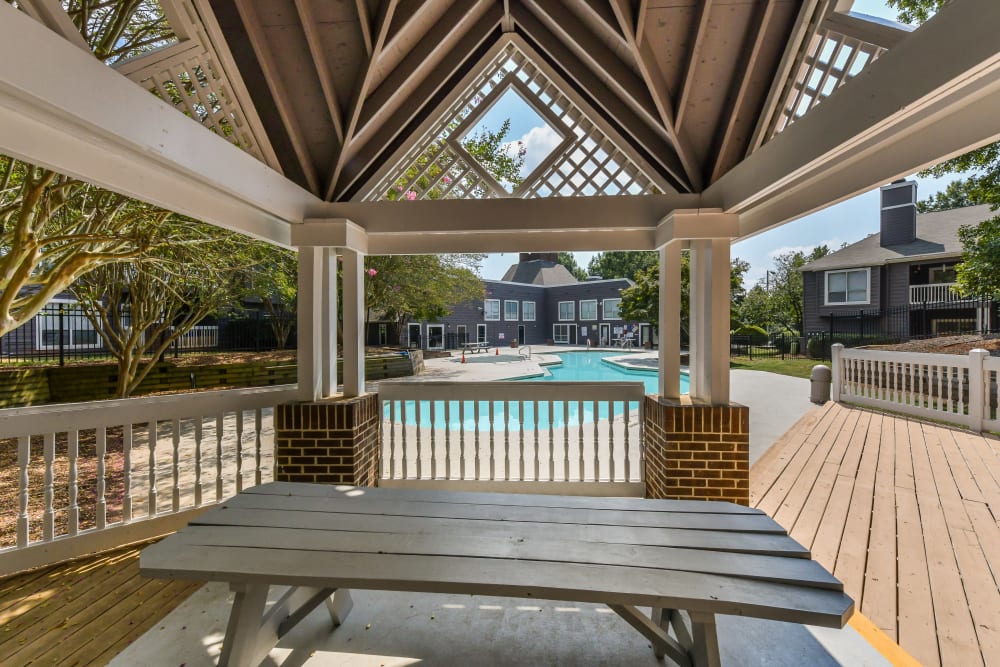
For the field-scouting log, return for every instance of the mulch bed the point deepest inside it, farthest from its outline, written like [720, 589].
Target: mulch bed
[948, 345]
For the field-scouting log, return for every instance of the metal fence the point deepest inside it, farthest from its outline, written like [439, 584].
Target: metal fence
[776, 346]
[62, 332]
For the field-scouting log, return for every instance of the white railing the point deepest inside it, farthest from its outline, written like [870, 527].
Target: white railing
[937, 293]
[519, 434]
[954, 388]
[92, 476]
[199, 337]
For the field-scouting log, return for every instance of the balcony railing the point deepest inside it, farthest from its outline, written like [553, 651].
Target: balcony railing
[936, 293]
[537, 436]
[92, 476]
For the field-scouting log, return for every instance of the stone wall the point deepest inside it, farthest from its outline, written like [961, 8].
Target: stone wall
[696, 451]
[328, 442]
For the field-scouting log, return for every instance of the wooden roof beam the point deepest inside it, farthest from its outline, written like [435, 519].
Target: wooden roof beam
[701, 27]
[383, 21]
[737, 98]
[661, 154]
[878, 34]
[366, 25]
[653, 76]
[322, 66]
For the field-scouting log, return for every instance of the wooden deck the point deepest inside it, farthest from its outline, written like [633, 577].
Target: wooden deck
[84, 612]
[906, 514]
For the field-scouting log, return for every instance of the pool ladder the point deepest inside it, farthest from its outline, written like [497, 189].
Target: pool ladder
[521, 351]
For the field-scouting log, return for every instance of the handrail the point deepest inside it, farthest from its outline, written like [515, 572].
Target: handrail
[521, 350]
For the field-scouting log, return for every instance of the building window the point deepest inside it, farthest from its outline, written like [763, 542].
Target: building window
[510, 311]
[588, 310]
[847, 287]
[611, 307]
[528, 311]
[491, 310]
[567, 310]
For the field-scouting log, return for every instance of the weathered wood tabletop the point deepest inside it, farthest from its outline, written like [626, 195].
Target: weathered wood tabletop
[702, 557]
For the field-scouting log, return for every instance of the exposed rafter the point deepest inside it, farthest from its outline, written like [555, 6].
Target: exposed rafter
[749, 60]
[694, 55]
[361, 89]
[309, 26]
[656, 145]
[282, 101]
[366, 25]
[653, 76]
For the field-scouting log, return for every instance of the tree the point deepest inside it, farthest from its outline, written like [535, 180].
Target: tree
[141, 307]
[786, 287]
[916, 11]
[274, 280]
[958, 194]
[640, 303]
[621, 263]
[978, 274]
[55, 228]
[567, 260]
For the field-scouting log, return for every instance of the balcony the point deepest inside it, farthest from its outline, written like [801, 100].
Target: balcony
[936, 293]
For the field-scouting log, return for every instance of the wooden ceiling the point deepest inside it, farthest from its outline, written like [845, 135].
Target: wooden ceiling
[340, 85]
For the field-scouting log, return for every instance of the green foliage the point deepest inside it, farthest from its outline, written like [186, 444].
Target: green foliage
[120, 30]
[916, 11]
[782, 306]
[978, 274]
[621, 263]
[274, 280]
[966, 192]
[489, 150]
[567, 260]
[817, 347]
[756, 307]
[758, 336]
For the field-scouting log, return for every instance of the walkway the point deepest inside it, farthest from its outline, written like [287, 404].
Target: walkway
[906, 514]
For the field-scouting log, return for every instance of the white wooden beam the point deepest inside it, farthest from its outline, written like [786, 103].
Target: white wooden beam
[128, 140]
[697, 224]
[354, 322]
[335, 232]
[877, 33]
[709, 321]
[328, 322]
[669, 326]
[309, 333]
[882, 124]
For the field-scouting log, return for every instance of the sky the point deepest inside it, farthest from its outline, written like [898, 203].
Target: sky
[846, 222]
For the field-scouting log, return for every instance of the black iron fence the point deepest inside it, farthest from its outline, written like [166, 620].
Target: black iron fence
[62, 332]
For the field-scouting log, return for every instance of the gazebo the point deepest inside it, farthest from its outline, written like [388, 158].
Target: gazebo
[683, 126]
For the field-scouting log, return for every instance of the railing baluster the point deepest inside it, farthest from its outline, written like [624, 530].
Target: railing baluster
[492, 457]
[197, 460]
[626, 408]
[506, 440]
[475, 419]
[579, 423]
[550, 413]
[175, 437]
[535, 410]
[566, 440]
[402, 421]
[597, 450]
[611, 440]
[392, 439]
[258, 423]
[48, 513]
[239, 450]
[102, 503]
[524, 424]
[23, 457]
[447, 439]
[220, 429]
[127, 472]
[73, 455]
[433, 444]
[461, 439]
[151, 473]
[416, 405]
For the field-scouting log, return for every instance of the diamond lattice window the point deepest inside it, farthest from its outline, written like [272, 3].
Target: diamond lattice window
[574, 158]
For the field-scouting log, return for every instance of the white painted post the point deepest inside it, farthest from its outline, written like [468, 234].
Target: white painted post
[710, 321]
[354, 321]
[48, 513]
[978, 391]
[309, 330]
[669, 324]
[836, 373]
[328, 321]
[697, 345]
[73, 511]
[23, 457]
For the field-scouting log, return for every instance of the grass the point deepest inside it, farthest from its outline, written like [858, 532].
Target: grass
[800, 368]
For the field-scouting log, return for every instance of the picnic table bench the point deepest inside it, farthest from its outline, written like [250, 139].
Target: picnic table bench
[476, 347]
[687, 560]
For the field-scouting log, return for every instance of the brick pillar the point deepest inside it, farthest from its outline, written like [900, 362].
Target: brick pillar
[334, 441]
[699, 452]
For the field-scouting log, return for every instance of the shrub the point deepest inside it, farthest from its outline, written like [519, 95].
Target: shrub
[757, 335]
[817, 347]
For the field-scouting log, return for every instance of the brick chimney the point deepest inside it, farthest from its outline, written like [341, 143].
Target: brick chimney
[898, 221]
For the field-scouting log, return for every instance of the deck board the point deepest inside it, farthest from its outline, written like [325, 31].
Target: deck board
[83, 612]
[906, 513]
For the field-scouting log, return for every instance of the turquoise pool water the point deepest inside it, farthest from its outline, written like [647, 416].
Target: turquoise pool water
[575, 367]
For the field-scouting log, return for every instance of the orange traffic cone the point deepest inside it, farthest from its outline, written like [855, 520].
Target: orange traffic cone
[463, 356]
[498, 352]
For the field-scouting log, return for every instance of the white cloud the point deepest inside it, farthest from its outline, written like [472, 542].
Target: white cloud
[833, 244]
[538, 142]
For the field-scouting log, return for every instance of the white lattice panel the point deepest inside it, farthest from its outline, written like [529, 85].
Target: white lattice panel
[832, 60]
[588, 163]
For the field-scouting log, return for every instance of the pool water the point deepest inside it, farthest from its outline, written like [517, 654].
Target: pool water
[575, 367]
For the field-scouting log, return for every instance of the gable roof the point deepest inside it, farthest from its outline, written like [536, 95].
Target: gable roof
[937, 237]
[539, 272]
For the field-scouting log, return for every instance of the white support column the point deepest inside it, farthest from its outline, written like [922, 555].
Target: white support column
[329, 321]
[710, 321]
[669, 324]
[310, 333]
[354, 322]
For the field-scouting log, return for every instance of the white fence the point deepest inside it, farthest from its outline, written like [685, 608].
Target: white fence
[105, 473]
[936, 293]
[954, 388]
[514, 436]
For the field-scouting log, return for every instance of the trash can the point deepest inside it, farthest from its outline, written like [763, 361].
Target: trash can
[820, 379]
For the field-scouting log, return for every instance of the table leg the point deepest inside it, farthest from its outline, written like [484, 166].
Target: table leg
[243, 630]
[705, 647]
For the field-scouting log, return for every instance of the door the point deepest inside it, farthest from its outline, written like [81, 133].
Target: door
[383, 334]
[413, 335]
[462, 336]
[604, 333]
[520, 334]
[481, 333]
[435, 336]
[644, 334]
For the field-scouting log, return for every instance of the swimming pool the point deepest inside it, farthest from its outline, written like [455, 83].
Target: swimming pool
[575, 367]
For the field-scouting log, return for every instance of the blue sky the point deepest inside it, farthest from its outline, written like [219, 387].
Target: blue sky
[846, 222]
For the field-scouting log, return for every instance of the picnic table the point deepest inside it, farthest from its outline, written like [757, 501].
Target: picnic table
[476, 347]
[687, 560]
